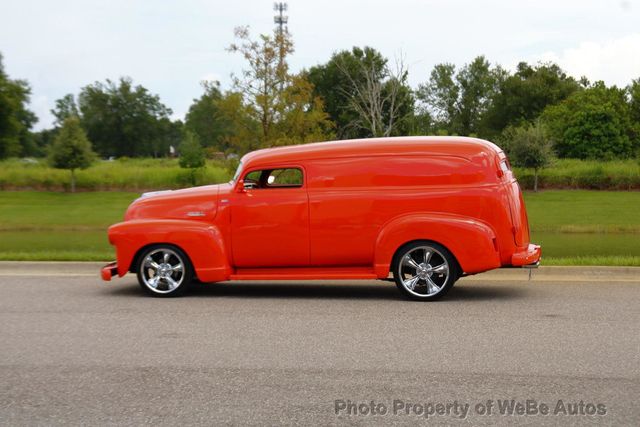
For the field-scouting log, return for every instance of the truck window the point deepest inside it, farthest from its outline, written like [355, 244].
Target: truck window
[274, 178]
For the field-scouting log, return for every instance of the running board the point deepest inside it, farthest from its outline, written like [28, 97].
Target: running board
[304, 273]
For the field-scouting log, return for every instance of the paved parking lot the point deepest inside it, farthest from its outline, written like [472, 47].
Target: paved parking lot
[75, 350]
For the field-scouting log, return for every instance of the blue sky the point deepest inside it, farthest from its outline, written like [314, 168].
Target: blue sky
[171, 46]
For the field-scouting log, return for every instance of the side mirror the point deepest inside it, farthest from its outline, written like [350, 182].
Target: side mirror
[240, 187]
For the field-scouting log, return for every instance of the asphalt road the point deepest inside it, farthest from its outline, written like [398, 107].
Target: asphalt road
[74, 350]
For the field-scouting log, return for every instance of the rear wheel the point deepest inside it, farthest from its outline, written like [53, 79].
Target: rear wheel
[164, 271]
[424, 270]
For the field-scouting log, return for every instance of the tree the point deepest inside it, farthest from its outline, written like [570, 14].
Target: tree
[191, 155]
[529, 146]
[15, 118]
[242, 131]
[262, 82]
[441, 95]
[334, 83]
[267, 89]
[204, 118]
[302, 118]
[459, 100]
[378, 96]
[71, 149]
[634, 105]
[593, 123]
[634, 95]
[523, 96]
[65, 107]
[124, 120]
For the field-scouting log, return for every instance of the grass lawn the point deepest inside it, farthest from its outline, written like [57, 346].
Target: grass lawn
[574, 227]
[59, 226]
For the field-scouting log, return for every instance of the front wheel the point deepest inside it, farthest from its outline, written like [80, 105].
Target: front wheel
[424, 270]
[164, 271]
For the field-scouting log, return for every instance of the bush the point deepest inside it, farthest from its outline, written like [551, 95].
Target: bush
[585, 174]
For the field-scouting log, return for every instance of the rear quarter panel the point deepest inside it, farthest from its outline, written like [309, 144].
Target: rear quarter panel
[471, 241]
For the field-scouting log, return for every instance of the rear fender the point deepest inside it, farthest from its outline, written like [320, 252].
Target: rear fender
[472, 242]
[201, 241]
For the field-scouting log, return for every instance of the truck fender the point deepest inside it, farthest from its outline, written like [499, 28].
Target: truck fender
[472, 242]
[201, 241]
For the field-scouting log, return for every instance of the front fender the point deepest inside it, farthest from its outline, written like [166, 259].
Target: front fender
[201, 241]
[471, 241]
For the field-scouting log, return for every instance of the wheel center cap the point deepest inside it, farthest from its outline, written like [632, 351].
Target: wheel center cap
[423, 271]
[164, 270]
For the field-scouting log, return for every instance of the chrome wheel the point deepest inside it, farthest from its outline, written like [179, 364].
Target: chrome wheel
[423, 271]
[162, 270]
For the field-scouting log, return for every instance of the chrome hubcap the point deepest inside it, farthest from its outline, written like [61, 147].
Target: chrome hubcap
[423, 271]
[162, 271]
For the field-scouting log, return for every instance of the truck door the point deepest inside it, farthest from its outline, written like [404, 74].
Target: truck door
[270, 219]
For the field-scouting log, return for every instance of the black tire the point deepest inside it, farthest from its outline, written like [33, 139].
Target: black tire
[430, 280]
[172, 280]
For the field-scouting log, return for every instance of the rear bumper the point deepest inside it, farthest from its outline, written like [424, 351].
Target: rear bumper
[109, 270]
[527, 257]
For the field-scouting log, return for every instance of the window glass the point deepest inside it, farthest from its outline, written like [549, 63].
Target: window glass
[285, 178]
[274, 178]
[237, 174]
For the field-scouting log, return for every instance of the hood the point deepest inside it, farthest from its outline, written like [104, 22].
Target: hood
[197, 203]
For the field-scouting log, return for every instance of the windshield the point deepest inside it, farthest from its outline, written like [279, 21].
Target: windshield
[237, 174]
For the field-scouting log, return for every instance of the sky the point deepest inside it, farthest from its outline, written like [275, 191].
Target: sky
[170, 47]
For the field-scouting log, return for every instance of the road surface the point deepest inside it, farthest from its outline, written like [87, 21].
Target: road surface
[75, 350]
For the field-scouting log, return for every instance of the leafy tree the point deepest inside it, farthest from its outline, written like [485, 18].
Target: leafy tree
[71, 149]
[334, 82]
[529, 146]
[204, 118]
[419, 122]
[478, 83]
[458, 100]
[42, 141]
[592, 123]
[242, 131]
[15, 118]
[191, 155]
[261, 83]
[441, 95]
[124, 120]
[267, 86]
[634, 104]
[634, 95]
[379, 98]
[523, 96]
[65, 107]
[302, 116]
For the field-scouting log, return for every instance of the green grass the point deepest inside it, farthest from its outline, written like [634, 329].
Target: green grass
[581, 211]
[573, 227]
[615, 261]
[59, 226]
[32, 211]
[582, 227]
[122, 174]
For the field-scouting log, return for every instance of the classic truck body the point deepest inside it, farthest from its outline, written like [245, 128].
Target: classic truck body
[338, 210]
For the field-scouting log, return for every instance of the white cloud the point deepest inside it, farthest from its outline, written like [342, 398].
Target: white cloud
[41, 106]
[615, 61]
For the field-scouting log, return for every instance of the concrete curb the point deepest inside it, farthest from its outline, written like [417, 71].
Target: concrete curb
[543, 273]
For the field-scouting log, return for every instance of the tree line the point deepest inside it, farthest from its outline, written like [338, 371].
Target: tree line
[357, 93]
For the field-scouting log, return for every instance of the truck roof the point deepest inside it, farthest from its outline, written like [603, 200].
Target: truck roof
[393, 146]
